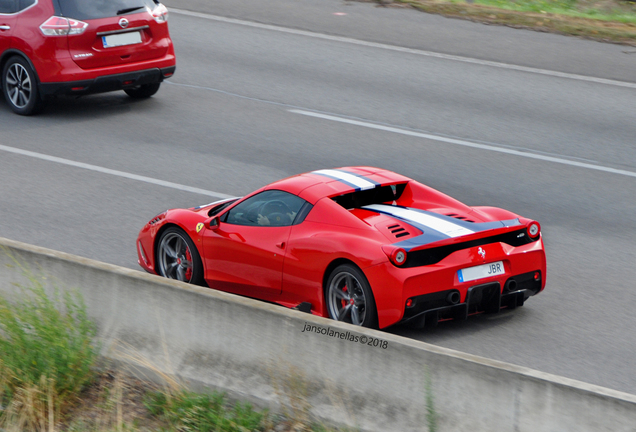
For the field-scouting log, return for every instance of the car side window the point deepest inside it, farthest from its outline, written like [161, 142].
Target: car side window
[8, 6]
[269, 208]
[26, 3]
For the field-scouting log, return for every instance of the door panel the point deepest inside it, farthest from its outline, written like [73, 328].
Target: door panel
[246, 260]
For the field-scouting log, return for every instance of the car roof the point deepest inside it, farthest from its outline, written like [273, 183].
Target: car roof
[314, 185]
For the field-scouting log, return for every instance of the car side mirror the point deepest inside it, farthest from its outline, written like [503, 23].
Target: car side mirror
[214, 223]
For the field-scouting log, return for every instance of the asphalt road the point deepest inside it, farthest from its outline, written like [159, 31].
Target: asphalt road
[539, 124]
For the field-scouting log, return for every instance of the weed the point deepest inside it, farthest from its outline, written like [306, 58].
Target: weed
[46, 354]
[431, 414]
[292, 388]
[111, 404]
[205, 412]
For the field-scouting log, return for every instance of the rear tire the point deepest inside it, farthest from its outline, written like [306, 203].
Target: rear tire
[20, 87]
[143, 91]
[349, 297]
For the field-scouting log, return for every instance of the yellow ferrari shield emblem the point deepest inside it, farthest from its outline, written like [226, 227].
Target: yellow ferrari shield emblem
[199, 226]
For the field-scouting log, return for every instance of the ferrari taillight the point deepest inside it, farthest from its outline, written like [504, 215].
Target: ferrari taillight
[160, 14]
[396, 255]
[534, 229]
[60, 26]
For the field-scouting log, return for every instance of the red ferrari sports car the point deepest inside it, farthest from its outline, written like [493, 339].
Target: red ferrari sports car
[357, 244]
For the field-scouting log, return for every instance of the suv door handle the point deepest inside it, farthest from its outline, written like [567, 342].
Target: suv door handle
[5, 27]
[281, 245]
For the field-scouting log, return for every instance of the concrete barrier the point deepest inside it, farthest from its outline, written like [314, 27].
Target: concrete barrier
[359, 377]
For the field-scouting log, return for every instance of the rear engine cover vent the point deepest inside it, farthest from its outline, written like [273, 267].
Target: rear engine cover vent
[456, 216]
[398, 231]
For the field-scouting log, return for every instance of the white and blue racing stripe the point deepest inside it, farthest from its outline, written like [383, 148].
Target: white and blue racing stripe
[434, 226]
[425, 219]
[355, 181]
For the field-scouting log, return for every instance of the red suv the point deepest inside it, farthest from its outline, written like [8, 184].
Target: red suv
[77, 47]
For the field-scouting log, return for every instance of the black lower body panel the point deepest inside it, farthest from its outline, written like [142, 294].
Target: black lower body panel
[429, 309]
[106, 83]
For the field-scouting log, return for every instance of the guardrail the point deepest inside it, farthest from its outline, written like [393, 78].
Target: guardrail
[363, 378]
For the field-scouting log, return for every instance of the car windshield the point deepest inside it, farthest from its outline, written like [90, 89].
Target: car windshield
[95, 9]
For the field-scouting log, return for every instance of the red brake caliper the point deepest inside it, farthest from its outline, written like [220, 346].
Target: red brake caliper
[343, 301]
[188, 274]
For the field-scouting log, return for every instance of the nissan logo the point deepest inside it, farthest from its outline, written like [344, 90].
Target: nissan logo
[123, 23]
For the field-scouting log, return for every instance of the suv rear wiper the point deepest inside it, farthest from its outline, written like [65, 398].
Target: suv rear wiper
[131, 9]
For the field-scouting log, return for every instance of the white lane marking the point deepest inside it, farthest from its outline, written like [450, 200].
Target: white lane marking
[445, 227]
[406, 50]
[526, 154]
[347, 177]
[113, 172]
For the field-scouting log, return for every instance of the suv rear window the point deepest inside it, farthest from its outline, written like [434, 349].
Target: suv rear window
[95, 9]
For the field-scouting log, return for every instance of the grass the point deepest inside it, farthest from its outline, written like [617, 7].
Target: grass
[46, 355]
[188, 411]
[431, 414]
[606, 10]
[603, 20]
[292, 390]
[110, 404]
[49, 380]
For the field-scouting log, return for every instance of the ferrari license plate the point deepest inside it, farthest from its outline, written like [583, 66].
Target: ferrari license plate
[121, 39]
[481, 272]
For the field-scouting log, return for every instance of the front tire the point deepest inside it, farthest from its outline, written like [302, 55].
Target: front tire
[20, 87]
[349, 297]
[178, 258]
[143, 91]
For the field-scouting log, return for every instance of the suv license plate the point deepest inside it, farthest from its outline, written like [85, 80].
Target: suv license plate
[121, 39]
[481, 272]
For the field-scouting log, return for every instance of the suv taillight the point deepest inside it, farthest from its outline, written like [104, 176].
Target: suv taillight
[60, 26]
[160, 13]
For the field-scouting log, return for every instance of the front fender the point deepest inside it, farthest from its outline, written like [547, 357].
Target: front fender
[149, 235]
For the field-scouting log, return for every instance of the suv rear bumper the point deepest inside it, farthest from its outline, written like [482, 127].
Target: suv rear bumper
[106, 83]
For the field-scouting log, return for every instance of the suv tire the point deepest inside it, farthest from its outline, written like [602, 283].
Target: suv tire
[20, 87]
